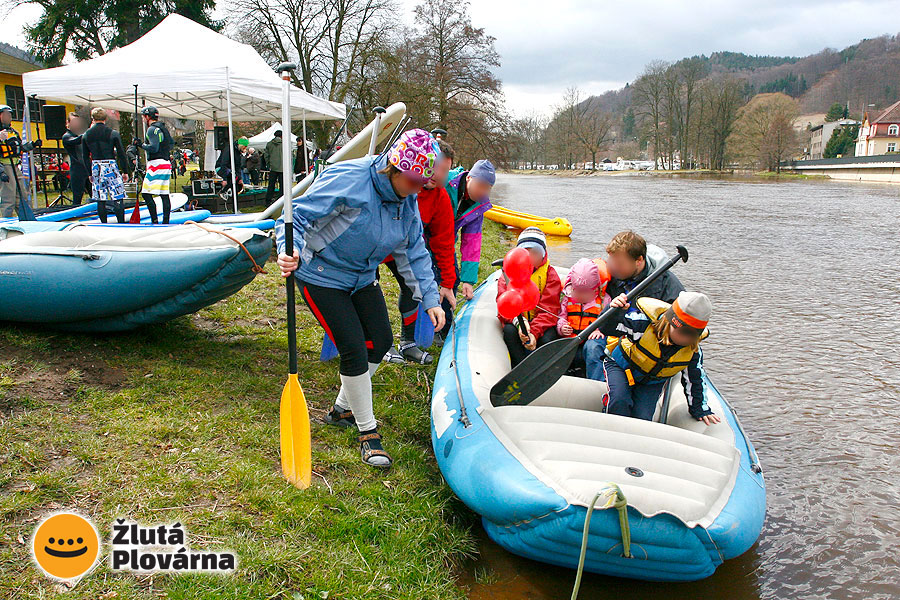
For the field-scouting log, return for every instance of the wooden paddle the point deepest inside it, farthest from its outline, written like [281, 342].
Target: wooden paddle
[543, 367]
[296, 446]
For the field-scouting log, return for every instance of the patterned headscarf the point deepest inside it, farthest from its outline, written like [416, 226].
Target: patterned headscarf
[415, 154]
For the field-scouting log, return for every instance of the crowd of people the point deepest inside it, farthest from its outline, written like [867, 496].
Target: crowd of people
[409, 211]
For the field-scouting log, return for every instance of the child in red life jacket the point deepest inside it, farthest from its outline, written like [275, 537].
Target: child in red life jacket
[540, 323]
[584, 298]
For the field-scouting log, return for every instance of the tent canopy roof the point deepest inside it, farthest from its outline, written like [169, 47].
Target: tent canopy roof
[182, 68]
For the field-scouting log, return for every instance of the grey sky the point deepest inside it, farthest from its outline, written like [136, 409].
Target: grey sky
[548, 45]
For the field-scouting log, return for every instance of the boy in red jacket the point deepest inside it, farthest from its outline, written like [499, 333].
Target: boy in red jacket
[540, 323]
[436, 213]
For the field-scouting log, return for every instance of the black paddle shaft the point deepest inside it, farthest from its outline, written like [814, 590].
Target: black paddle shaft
[543, 367]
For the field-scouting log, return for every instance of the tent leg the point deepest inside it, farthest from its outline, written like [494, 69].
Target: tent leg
[305, 149]
[231, 140]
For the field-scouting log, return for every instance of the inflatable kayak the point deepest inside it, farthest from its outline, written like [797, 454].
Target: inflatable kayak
[88, 278]
[521, 220]
[689, 496]
[89, 210]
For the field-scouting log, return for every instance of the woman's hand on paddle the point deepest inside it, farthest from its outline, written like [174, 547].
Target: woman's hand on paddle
[620, 301]
[448, 295]
[288, 264]
[467, 290]
[710, 419]
[437, 317]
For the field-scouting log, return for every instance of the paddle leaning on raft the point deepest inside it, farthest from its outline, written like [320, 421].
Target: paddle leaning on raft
[531, 451]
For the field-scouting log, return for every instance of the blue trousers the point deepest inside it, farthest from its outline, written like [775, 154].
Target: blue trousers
[638, 401]
[594, 353]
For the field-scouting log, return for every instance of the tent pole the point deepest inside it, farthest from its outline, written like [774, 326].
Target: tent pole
[231, 139]
[305, 149]
[26, 132]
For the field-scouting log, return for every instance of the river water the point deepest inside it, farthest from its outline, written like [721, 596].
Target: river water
[805, 286]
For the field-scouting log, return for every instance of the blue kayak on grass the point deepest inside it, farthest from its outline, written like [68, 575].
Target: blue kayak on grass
[694, 496]
[113, 278]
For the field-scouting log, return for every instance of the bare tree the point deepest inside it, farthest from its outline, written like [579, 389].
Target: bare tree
[333, 42]
[760, 137]
[593, 128]
[649, 96]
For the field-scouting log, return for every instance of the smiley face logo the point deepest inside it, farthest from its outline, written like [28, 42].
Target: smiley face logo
[65, 545]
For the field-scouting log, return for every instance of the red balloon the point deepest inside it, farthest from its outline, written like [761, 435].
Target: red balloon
[531, 295]
[510, 304]
[517, 265]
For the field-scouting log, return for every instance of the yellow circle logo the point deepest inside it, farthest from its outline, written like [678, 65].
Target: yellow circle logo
[65, 545]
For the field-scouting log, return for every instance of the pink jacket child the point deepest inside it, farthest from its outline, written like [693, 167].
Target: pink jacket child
[584, 299]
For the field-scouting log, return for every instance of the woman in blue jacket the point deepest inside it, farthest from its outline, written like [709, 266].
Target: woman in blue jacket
[352, 217]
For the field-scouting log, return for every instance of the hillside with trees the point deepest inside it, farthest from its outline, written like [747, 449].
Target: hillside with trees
[696, 112]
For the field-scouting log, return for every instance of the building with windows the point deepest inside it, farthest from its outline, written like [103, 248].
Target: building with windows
[14, 62]
[880, 135]
[820, 134]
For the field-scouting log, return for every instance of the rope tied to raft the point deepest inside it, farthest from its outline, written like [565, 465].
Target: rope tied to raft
[613, 498]
[255, 268]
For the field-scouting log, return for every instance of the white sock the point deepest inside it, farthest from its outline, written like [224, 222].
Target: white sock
[357, 392]
[341, 401]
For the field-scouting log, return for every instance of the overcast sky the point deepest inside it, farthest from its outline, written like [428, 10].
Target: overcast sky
[547, 45]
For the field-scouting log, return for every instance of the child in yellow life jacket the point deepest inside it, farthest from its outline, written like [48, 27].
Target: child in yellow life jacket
[540, 323]
[584, 298]
[654, 343]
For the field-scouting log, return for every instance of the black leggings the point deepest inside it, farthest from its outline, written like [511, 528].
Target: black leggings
[409, 308]
[357, 323]
[118, 208]
[79, 180]
[518, 352]
[151, 206]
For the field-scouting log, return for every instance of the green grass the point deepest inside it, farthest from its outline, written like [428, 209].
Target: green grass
[179, 422]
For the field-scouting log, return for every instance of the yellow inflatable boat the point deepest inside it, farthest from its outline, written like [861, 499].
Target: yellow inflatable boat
[521, 220]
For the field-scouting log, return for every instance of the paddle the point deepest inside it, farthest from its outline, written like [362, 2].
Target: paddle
[136, 213]
[424, 332]
[543, 367]
[329, 350]
[296, 450]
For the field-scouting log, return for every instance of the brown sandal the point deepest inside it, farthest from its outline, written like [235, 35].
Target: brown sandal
[370, 447]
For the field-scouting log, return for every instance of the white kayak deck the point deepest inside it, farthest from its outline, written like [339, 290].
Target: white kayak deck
[565, 441]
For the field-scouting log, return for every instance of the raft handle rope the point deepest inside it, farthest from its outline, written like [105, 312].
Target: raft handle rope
[463, 415]
[613, 498]
[754, 457]
[256, 268]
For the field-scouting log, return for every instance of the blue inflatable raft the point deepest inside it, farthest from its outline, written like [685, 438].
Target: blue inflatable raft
[95, 278]
[679, 496]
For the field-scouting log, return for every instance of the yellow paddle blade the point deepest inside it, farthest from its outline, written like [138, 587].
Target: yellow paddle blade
[296, 449]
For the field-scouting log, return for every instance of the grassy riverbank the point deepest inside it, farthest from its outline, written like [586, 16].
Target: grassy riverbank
[179, 423]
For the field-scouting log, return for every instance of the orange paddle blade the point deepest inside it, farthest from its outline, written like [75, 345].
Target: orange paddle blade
[296, 445]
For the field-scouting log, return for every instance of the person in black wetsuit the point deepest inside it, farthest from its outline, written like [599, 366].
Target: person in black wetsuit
[158, 144]
[104, 145]
[78, 168]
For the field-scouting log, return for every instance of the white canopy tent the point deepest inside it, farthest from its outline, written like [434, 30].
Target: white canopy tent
[185, 70]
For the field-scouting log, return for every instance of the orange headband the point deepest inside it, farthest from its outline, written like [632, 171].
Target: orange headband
[688, 319]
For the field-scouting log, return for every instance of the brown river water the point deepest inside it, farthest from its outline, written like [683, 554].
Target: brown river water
[805, 285]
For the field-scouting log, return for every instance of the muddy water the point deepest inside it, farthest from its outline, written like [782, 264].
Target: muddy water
[805, 283]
